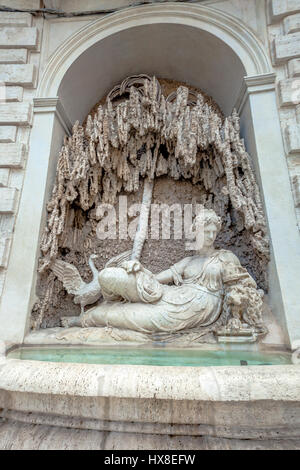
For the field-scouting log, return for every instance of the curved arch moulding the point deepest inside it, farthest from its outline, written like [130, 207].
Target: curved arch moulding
[249, 51]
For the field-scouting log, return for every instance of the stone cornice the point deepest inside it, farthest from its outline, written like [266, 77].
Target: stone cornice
[261, 81]
[254, 84]
[53, 105]
[181, 383]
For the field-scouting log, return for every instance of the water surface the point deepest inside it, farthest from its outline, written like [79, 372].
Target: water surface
[151, 356]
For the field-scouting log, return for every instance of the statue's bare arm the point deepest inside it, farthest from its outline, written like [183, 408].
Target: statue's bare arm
[165, 277]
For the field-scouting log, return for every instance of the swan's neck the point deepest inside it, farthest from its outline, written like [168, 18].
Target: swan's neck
[93, 267]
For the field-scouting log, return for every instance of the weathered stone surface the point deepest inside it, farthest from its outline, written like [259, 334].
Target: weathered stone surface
[18, 37]
[18, 74]
[294, 68]
[4, 251]
[13, 56]
[8, 134]
[292, 134]
[30, 4]
[281, 8]
[15, 19]
[289, 92]
[296, 189]
[2, 278]
[291, 24]
[15, 113]
[287, 47]
[12, 155]
[4, 175]
[11, 93]
[25, 436]
[8, 200]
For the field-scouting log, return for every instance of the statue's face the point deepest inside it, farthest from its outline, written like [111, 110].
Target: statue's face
[209, 236]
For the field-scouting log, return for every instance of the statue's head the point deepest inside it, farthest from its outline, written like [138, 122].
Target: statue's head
[206, 225]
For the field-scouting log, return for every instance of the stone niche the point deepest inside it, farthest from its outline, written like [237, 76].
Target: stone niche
[173, 135]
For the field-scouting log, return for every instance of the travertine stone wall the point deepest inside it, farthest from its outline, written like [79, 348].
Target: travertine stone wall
[284, 35]
[19, 62]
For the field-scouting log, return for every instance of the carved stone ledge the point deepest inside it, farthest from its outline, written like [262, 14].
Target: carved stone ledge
[291, 24]
[15, 19]
[286, 47]
[48, 105]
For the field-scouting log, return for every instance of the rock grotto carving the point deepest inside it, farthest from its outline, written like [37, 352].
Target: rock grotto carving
[131, 141]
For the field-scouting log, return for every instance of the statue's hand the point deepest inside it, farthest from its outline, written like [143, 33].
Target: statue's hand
[131, 266]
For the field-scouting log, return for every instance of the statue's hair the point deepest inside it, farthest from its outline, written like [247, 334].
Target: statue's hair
[206, 217]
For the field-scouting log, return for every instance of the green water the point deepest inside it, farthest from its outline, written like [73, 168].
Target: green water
[154, 357]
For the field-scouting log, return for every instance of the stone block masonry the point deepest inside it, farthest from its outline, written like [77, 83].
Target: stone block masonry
[18, 74]
[15, 114]
[12, 155]
[294, 68]
[15, 19]
[292, 136]
[19, 37]
[30, 4]
[281, 8]
[4, 176]
[4, 247]
[285, 46]
[289, 92]
[291, 24]
[12, 93]
[296, 188]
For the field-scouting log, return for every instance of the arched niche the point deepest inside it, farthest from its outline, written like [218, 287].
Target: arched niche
[189, 55]
[199, 45]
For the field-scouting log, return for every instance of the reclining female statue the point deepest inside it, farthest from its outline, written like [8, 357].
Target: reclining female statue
[190, 294]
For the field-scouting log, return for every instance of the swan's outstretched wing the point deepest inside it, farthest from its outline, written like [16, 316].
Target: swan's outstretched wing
[118, 260]
[68, 275]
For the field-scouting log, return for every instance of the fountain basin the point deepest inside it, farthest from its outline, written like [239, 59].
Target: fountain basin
[107, 406]
[156, 356]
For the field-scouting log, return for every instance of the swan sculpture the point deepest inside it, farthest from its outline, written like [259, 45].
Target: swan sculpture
[85, 293]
